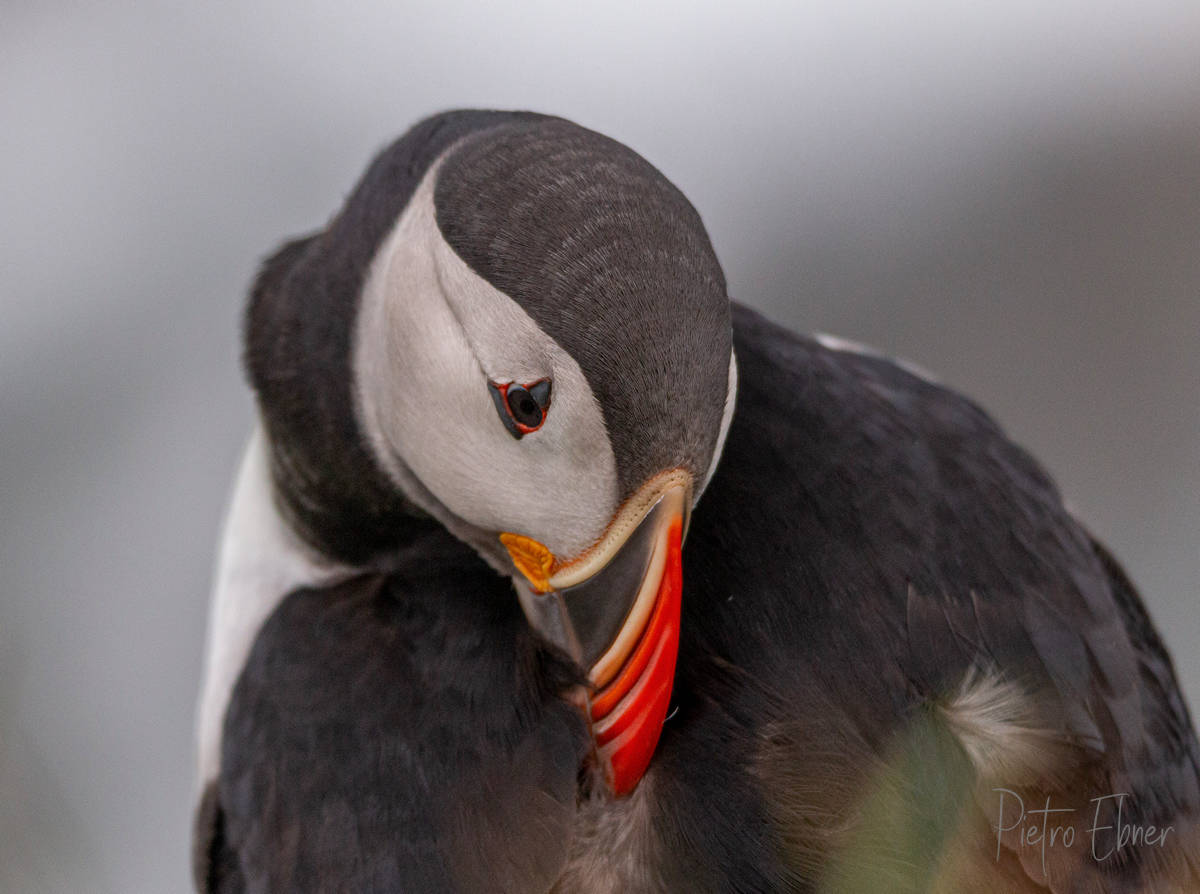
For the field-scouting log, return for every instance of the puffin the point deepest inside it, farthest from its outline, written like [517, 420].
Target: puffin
[549, 568]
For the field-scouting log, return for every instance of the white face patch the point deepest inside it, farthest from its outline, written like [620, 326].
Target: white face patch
[726, 419]
[430, 335]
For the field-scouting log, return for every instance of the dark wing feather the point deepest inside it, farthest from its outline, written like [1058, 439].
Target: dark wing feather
[215, 867]
[890, 539]
[1169, 751]
[398, 732]
[869, 539]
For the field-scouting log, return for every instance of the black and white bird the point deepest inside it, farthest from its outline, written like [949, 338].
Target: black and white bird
[458, 643]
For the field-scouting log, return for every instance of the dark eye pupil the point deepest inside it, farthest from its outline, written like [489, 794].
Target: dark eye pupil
[525, 409]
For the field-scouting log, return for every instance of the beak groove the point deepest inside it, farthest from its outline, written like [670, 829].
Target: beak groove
[616, 611]
[627, 715]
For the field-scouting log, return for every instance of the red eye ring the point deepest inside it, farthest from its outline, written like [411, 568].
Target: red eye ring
[522, 407]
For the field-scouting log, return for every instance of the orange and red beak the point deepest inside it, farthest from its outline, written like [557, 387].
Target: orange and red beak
[615, 610]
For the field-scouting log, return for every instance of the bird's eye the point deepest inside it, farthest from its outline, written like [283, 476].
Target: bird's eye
[522, 408]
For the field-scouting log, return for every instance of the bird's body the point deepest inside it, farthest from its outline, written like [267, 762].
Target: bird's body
[892, 633]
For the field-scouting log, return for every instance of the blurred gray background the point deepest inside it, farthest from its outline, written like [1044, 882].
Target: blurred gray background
[1008, 195]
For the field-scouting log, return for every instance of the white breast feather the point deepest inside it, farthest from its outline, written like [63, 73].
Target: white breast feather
[260, 561]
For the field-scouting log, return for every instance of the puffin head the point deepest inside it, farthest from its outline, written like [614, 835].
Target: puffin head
[532, 338]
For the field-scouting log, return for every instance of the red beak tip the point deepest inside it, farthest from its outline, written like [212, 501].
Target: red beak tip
[627, 735]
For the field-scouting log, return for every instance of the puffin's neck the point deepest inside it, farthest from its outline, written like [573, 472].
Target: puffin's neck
[363, 527]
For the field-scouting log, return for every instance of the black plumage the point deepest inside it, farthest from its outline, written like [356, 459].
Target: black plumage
[399, 731]
[590, 239]
[868, 538]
